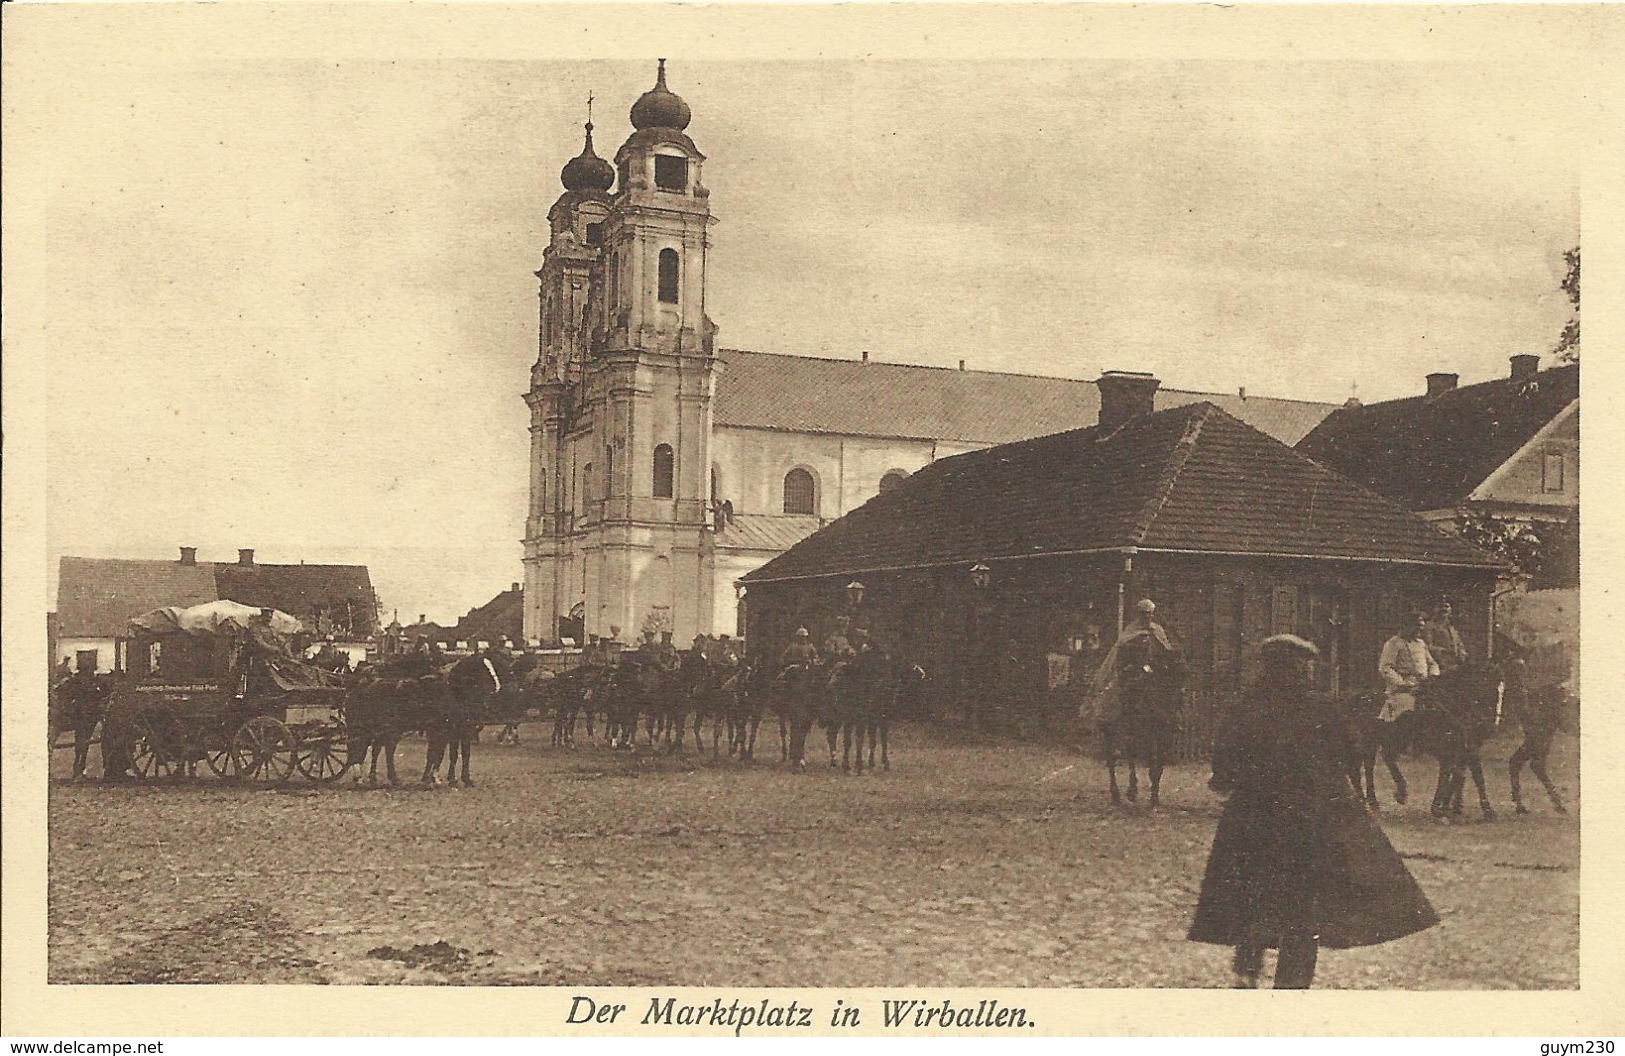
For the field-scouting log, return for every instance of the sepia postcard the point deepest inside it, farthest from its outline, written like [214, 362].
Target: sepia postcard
[780, 521]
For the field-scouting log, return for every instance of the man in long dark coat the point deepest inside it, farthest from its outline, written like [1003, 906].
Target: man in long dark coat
[1296, 863]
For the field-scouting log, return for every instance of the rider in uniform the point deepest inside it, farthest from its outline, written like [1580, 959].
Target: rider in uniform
[798, 661]
[1444, 641]
[1406, 662]
[837, 644]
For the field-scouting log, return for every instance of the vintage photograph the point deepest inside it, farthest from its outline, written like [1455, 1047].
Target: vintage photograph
[871, 522]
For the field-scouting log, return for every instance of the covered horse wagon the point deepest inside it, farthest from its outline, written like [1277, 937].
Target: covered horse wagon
[217, 684]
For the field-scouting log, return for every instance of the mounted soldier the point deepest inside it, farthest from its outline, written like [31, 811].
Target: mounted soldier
[1406, 663]
[1134, 696]
[838, 643]
[798, 671]
[1444, 641]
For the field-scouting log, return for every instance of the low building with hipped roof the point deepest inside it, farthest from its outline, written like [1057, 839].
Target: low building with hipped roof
[1022, 561]
[97, 596]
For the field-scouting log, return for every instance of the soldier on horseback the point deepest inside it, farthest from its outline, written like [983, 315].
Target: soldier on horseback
[838, 643]
[1406, 662]
[1133, 696]
[1444, 641]
[798, 668]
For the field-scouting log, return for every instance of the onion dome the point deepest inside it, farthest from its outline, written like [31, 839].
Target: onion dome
[587, 171]
[659, 107]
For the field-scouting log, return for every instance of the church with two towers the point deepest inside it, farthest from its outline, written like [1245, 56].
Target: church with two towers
[662, 467]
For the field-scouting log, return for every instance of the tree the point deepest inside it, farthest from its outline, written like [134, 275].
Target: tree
[1514, 542]
[1568, 344]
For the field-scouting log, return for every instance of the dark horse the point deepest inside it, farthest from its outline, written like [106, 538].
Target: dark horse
[79, 703]
[1150, 683]
[572, 692]
[866, 690]
[415, 694]
[475, 688]
[800, 691]
[1538, 709]
[382, 705]
[1455, 714]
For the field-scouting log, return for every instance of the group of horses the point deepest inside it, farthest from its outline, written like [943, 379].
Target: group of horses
[853, 701]
[1455, 714]
[450, 701]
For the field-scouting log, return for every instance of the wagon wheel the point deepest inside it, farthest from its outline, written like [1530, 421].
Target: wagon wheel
[153, 748]
[221, 762]
[324, 759]
[263, 750]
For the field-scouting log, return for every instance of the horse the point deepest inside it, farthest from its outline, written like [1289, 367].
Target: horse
[474, 687]
[740, 698]
[79, 703]
[382, 705]
[1142, 726]
[571, 693]
[838, 704]
[712, 686]
[871, 685]
[1362, 716]
[1539, 712]
[1453, 715]
[619, 695]
[530, 686]
[799, 704]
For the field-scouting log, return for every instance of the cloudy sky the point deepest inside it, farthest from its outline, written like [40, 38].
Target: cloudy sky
[291, 303]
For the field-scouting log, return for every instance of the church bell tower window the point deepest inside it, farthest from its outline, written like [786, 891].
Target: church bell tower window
[665, 472]
[671, 174]
[668, 276]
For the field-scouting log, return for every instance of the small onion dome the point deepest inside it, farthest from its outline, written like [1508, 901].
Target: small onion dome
[659, 107]
[587, 171]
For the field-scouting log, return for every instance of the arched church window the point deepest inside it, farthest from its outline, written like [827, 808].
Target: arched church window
[800, 492]
[586, 483]
[891, 480]
[595, 234]
[665, 472]
[668, 276]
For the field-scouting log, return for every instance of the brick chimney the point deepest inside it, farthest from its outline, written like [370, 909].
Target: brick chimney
[1440, 383]
[1125, 394]
[188, 555]
[514, 589]
[245, 557]
[1525, 367]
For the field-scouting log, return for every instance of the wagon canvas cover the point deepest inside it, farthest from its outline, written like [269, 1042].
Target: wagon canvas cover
[209, 619]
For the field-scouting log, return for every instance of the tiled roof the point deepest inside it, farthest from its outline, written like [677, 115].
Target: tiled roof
[751, 531]
[853, 398]
[334, 598]
[1190, 479]
[96, 597]
[501, 617]
[1429, 454]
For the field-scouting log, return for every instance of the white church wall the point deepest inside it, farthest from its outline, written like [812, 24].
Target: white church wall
[752, 463]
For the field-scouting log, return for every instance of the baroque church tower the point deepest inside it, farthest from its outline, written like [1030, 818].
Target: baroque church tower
[621, 393]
